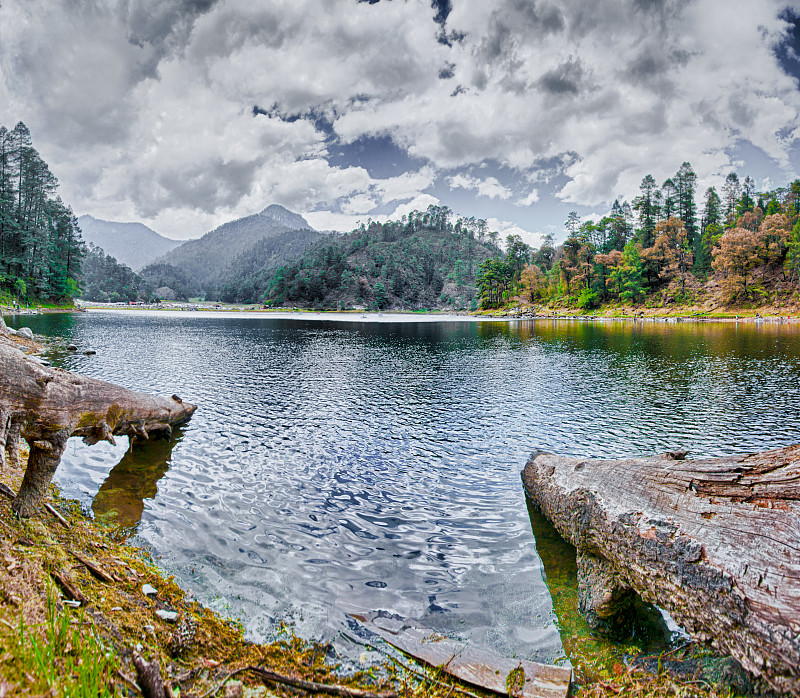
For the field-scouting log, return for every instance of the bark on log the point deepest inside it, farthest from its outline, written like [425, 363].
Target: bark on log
[715, 542]
[45, 406]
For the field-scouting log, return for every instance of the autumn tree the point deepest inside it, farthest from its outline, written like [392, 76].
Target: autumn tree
[605, 264]
[533, 284]
[734, 260]
[774, 233]
[670, 254]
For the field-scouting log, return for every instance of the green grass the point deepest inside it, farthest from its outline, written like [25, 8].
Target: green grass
[61, 656]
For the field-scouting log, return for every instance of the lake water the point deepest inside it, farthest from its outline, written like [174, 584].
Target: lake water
[377, 463]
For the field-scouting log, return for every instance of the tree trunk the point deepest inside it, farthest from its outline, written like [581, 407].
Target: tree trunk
[714, 542]
[45, 406]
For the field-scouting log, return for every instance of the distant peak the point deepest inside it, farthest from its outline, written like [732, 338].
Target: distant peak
[284, 216]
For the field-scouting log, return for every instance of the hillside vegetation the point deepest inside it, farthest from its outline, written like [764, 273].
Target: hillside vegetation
[239, 279]
[40, 241]
[107, 281]
[422, 261]
[741, 250]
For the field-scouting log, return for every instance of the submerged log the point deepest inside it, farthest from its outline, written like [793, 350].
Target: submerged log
[714, 542]
[45, 406]
[515, 678]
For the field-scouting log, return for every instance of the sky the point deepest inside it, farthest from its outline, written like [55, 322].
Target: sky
[184, 114]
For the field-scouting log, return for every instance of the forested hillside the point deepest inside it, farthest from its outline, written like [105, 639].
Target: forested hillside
[247, 273]
[107, 281]
[741, 248]
[169, 282]
[40, 241]
[423, 260]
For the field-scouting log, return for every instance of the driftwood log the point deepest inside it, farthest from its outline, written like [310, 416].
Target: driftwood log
[714, 542]
[45, 406]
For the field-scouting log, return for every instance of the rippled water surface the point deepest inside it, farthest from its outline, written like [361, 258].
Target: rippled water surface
[377, 463]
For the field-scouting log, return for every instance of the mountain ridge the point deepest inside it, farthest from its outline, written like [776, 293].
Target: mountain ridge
[208, 258]
[131, 243]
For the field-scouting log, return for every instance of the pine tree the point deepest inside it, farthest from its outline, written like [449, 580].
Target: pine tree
[647, 206]
[40, 245]
[685, 185]
[731, 191]
[710, 225]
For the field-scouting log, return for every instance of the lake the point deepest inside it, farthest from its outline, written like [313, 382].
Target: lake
[375, 462]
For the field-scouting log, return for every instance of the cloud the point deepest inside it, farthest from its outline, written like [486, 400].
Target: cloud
[145, 107]
[529, 199]
[506, 228]
[488, 187]
[329, 220]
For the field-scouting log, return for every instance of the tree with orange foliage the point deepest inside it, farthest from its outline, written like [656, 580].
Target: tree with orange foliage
[773, 235]
[734, 260]
[606, 264]
[670, 256]
[533, 283]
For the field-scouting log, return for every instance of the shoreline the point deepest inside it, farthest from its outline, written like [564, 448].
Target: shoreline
[745, 316]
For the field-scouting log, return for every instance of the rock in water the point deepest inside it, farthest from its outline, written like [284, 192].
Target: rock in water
[25, 332]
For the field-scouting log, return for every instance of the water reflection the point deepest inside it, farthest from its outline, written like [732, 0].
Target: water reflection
[120, 499]
[589, 654]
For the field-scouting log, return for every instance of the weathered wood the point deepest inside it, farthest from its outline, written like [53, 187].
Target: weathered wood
[45, 406]
[715, 542]
[64, 580]
[475, 666]
[148, 676]
[55, 513]
[94, 568]
[315, 687]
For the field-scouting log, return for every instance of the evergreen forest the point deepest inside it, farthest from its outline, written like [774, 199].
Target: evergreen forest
[43, 258]
[40, 242]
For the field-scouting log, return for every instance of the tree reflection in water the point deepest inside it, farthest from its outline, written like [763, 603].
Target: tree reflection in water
[120, 500]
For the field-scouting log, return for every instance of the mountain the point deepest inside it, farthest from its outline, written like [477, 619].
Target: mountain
[276, 232]
[422, 261]
[132, 244]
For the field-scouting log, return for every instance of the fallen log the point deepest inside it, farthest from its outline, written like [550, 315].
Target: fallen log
[45, 406]
[516, 678]
[714, 542]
